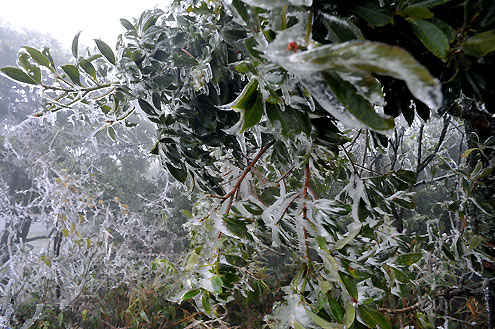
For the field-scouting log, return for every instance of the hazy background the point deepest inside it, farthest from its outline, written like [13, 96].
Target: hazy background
[62, 19]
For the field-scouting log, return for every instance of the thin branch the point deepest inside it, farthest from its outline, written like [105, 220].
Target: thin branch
[400, 310]
[420, 143]
[352, 163]
[231, 194]
[285, 175]
[434, 179]
[429, 158]
[365, 152]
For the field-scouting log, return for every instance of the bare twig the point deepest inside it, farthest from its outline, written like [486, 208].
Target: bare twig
[401, 310]
[436, 179]
[422, 165]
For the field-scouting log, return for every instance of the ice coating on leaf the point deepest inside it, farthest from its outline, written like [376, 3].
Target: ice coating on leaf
[342, 23]
[318, 88]
[311, 78]
[366, 85]
[273, 214]
[371, 57]
[355, 190]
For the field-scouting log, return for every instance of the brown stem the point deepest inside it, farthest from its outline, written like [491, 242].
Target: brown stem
[231, 194]
[400, 310]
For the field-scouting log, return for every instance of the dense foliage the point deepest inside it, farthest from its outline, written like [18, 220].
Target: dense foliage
[326, 139]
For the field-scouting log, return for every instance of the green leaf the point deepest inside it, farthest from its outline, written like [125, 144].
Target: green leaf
[370, 57]
[191, 293]
[128, 25]
[105, 50]
[235, 260]
[60, 318]
[73, 73]
[359, 107]
[250, 102]
[372, 317]
[468, 151]
[408, 259]
[416, 12]
[250, 44]
[407, 204]
[179, 173]
[253, 113]
[373, 13]
[322, 322]
[407, 176]
[236, 226]
[480, 44]
[147, 107]
[217, 283]
[38, 56]
[350, 315]
[448, 30]
[350, 285]
[430, 35]
[205, 301]
[477, 169]
[88, 68]
[150, 22]
[143, 316]
[336, 309]
[75, 45]
[399, 275]
[17, 75]
[111, 133]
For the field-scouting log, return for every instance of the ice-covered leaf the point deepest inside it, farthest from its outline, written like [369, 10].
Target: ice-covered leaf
[217, 284]
[350, 315]
[350, 236]
[128, 25]
[144, 316]
[179, 173]
[430, 35]
[341, 29]
[147, 107]
[105, 50]
[359, 107]
[17, 75]
[408, 259]
[39, 57]
[369, 57]
[480, 44]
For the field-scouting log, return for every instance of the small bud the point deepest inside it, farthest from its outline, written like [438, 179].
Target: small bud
[293, 46]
